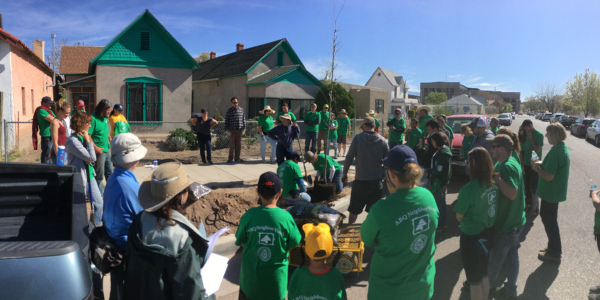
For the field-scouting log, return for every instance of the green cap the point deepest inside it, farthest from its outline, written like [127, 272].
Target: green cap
[326, 105]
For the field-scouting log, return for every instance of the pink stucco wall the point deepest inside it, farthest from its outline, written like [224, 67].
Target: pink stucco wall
[27, 74]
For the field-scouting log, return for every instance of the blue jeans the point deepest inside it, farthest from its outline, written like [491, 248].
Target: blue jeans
[281, 152]
[205, 145]
[549, 215]
[47, 145]
[440, 200]
[263, 146]
[506, 250]
[302, 198]
[334, 142]
[96, 199]
[337, 179]
[311, 137]
[103, 168]
[394, 144]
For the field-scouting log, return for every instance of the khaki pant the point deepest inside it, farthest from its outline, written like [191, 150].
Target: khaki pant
[235, 143]
[322, 138]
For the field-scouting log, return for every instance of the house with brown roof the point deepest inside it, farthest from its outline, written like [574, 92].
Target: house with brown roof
[144, 68]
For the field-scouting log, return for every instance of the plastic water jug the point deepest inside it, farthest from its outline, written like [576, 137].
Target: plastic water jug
[60, 156]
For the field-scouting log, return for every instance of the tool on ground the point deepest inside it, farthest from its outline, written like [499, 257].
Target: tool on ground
[307, 177]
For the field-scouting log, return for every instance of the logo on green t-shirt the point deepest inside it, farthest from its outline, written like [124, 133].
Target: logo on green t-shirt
[265, 238]
[419, 243]
[420, 224]
[264, 253]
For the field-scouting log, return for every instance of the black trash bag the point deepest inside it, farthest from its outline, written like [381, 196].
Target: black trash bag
[317, 213]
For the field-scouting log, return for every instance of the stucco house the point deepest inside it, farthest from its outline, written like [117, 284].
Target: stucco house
[395, 84]
[268, 74]
[464, 104]
[144, 68]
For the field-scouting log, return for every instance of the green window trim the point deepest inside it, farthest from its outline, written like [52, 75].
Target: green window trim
[146, 81]
[280, 57]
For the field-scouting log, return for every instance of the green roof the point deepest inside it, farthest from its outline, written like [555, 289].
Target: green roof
[295, 74]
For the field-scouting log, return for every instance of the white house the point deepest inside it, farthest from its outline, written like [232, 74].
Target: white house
[464, 104]
[393, 82]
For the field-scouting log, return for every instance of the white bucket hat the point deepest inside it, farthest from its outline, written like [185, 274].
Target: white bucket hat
[126, 148]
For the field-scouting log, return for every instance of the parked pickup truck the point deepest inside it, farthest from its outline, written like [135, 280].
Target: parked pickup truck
[44, 233]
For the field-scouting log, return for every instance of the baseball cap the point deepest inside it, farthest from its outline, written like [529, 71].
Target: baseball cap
[399, 156]
[126, 148]
[314, 104]
[118, 107]
[47, 99]
[203, 111]
[495, 119]
[398, 110]
[80, 103]
[269, 180]
[308, 156]
[477, 122]
[326, 105]
[369, 121]
[292, 155]
[318, 241]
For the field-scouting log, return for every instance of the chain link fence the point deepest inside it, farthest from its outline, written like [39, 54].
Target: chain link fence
[17, 146]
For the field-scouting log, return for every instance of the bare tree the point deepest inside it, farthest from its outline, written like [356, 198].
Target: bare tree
[57, 51]
[550, 94]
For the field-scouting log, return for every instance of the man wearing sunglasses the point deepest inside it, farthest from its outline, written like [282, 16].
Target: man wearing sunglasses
[235, 124]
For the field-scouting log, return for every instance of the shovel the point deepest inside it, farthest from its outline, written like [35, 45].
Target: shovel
[308, 178]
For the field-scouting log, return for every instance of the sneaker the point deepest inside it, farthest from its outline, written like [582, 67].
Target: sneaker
[230, 161]
[547, 257]
[204, 162]
[544, 250]
[466, 286]
[210, 162]
[240, 160]
[595, 289]
[504, 294]
[264, 161]
[594, 296]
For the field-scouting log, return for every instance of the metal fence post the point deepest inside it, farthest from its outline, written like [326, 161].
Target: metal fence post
[5, 142]
[354, 127]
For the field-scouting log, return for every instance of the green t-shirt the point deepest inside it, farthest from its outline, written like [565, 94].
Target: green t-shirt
[343, 124]
[422, 121]
[466, 146]
[99, 132]
[74, 111]
[557, 163]
[289, 171]
[312, 117]
[287, 113]
[307, 285]
[43, 124]
[403, 225]
[333, 135]
[394, 135]
[494, 130]
[597, 222]
[515, 155]
[450, 131]
[376, 123]
[538, 139]
[479, 205]
[414, 136]
[266, 122]
[511, 214]
[318, 166]
[324, 119]
[267, 235]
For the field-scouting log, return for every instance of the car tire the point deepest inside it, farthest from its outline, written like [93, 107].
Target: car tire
[597, 142]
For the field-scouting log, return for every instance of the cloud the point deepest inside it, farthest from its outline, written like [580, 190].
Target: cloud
[473, 79]
[343, 72]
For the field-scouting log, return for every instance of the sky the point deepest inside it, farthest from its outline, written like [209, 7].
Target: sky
[505, 45]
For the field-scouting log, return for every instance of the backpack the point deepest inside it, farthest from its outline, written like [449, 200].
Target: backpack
[104, 252]
[121, 127]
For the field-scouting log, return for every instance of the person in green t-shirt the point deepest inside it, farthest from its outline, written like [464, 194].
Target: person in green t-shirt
[99, 131]
[552, 187]
[311, 120]
[44, 117]
[596, 203]
[79, 108]
[396, 127]
[533, 142]
[317, 280]
[439, 173]
[343, 131]
[468, 136]
[415, 136]
[494, 125]
[265, 124]
[372, 114]
[322, 137]
[285, 111]
[401, 228]
[510, 217]
[332, 136]
[516, 145]
[334, 169]
[476, 208]
[424, 116]
[267, 233]
[294, 190]
[442, 122]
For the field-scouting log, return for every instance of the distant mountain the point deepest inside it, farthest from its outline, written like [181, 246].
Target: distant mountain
[414, 93]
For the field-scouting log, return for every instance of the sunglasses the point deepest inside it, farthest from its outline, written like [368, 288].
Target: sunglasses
[496, 146]
[234, 102]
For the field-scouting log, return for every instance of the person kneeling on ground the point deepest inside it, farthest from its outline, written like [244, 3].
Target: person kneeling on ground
[264, 271]
[317, 280]
[121, 199]
[284, 134]
[334, 169]
[294, 190]
[165, 251]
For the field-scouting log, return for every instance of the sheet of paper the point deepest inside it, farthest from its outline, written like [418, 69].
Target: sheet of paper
[212, 240]
[213, 272]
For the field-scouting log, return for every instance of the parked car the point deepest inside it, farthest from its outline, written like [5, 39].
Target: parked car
[530, 113]
[593, 132]
[538, 116]
[566, 121]
[505, 119]
[455, 122]
[555, 117]
[546, 117]
[580, 126]
[520, 113]
[512, 114]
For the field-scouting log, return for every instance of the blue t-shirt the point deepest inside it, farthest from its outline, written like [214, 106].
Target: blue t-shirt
[121, 204]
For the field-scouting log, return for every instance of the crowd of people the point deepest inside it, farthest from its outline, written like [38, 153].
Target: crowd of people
[163, 252]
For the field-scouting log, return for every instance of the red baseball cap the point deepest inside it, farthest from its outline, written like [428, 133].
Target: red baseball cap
[80, 103]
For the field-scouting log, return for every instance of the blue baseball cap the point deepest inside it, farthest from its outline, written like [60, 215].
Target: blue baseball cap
[292, 155]
[269, 180]
[118, 107]
[398, 157]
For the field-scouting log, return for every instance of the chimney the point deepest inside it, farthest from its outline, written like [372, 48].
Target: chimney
[213, 55]
[239, 47]
[1, 22]
[38, 48]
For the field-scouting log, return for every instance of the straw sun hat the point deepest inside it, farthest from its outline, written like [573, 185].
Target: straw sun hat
[167, 181]
[371, 113]
[267, 108]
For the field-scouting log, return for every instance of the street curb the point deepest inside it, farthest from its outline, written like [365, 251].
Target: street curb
[226, 245]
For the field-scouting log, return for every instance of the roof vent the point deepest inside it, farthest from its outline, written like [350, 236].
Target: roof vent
[145, 40]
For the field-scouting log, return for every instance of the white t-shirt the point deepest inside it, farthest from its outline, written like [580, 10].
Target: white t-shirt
[67, 124]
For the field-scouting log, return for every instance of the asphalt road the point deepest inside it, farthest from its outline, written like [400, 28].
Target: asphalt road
[537, 280]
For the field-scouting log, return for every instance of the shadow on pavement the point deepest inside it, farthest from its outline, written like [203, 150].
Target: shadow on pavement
[234, 268]
[539, 281]
[528, 225]
[447, 272]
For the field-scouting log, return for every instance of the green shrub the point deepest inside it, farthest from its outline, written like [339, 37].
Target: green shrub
[222, 142]
[189, 135]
